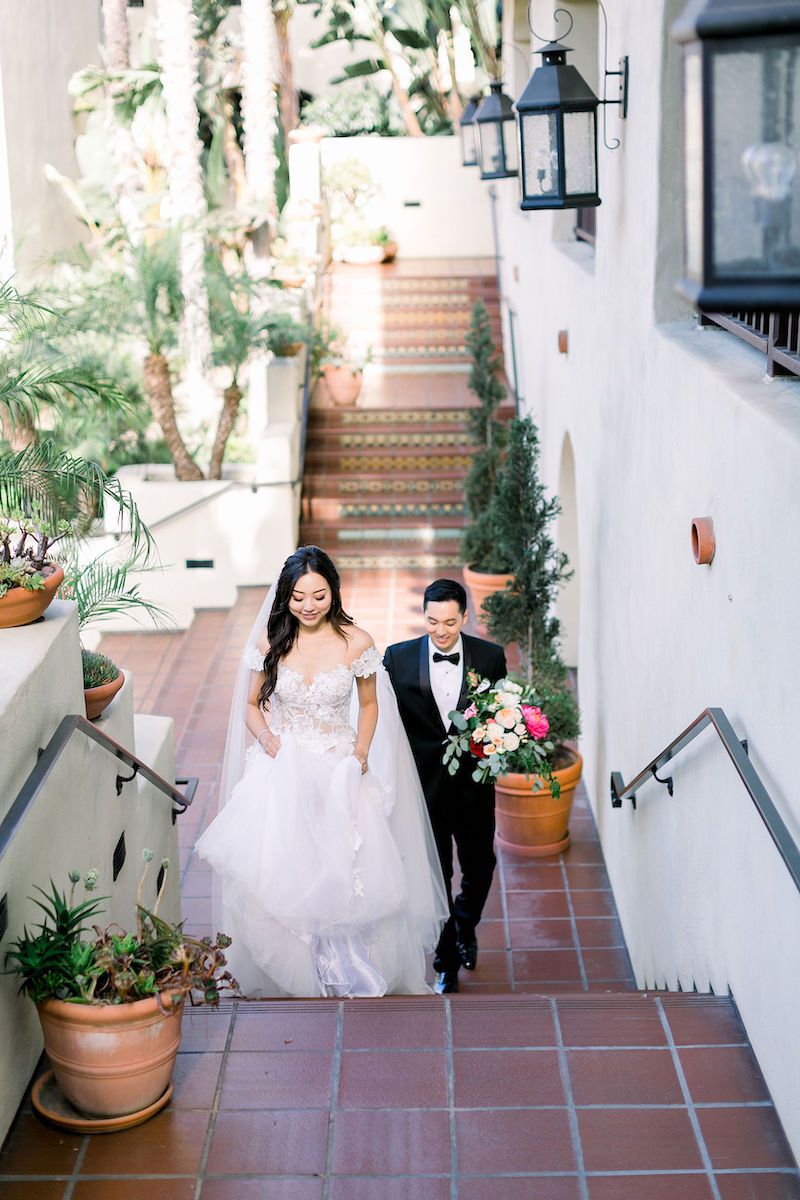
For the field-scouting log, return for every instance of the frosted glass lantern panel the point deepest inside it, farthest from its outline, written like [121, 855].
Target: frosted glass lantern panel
[510, 143]
[580, 141]
[756, 174]
[693, 164]
[540, 154]
[491, 148]
[469, 149]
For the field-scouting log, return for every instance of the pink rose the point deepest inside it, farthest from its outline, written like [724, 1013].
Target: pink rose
[536, 722]
[472, 711]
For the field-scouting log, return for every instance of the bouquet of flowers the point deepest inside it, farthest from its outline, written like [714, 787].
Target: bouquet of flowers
[504, 729]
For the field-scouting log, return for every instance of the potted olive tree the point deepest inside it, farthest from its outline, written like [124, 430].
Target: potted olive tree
[533, 815]
[486, 563]
[110, 1000]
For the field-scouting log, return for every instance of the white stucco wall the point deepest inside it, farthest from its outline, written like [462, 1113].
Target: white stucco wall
[668, 423]
[433, 207]
[76, 818]
[42, 43]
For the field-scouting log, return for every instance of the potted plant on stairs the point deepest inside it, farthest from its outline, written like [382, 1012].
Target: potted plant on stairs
[486, 565]
[533, 808]
[110, 1004]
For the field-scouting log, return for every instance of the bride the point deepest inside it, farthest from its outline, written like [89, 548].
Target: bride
[327, 876]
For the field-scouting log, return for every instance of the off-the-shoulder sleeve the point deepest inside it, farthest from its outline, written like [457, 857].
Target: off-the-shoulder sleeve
[366, 663]
[253, 658]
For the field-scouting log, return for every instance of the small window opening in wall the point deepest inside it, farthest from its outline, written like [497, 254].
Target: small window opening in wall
[120, 853]
[135, 3]
[3, 916]
[193, 564]
[586, 224]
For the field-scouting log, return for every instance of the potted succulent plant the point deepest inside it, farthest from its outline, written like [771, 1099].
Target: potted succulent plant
[29, 578]
[487, 566]
[333, 361]
[110, 1001]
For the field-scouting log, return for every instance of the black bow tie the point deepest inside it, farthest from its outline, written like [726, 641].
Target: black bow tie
[452, 658]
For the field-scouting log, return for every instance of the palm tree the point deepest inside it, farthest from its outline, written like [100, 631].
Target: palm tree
[243, 322]
[260, 104]
[177, 32]
[64, 488]
[127, 179]
[34, 373]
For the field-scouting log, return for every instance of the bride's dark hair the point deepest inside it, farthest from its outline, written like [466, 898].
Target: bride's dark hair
[282, 625]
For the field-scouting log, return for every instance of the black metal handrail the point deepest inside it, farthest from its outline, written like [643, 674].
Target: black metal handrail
[49, 756]
[738, 753]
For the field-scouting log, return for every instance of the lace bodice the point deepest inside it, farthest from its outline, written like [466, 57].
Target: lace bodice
[318, 714]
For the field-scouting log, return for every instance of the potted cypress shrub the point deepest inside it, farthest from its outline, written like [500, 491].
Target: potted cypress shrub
[486, 565]
[532, 814]
[110, 1004]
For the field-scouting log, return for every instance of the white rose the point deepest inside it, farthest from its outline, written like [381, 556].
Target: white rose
[494, 732]
[510, 742]
[520, 729]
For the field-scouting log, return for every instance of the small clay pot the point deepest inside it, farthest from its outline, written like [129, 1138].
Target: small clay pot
[703, 541]
[97, 699]
[20, 607]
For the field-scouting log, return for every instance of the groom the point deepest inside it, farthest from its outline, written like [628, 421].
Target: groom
[429, 676]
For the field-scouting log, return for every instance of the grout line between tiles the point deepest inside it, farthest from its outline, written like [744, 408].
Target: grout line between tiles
[212, 1116]
[690, 1108]
[334, 1106]
[572, 1114]
[574, 925]
[451, 1098]
[76, 1170]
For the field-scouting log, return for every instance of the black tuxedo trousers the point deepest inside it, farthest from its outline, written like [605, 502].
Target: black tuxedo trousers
[461, 810]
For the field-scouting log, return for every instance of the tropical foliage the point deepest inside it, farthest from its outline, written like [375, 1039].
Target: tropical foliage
[115, 966]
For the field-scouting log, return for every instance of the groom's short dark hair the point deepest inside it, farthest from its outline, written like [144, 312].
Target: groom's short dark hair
[445, 589]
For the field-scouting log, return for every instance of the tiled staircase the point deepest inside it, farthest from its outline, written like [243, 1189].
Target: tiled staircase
[548, 1077]
[384, 485]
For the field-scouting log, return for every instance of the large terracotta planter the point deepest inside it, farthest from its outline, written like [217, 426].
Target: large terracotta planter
[20, 607]
[482, 584]
[529, 821]
[97, 699]
[343, 383]
[110, 1060]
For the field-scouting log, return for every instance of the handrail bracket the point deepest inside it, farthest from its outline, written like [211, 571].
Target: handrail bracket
[123, 779]
[667, 782]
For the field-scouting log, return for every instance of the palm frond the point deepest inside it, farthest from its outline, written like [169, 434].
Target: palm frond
[103, 589]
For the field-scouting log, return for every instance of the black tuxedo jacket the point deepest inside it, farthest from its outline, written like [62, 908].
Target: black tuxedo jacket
[408, 666]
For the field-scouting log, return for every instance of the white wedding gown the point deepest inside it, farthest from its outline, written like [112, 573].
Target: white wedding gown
[327, 888]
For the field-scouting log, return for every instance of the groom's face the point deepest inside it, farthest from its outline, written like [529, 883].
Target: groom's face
[444, 621]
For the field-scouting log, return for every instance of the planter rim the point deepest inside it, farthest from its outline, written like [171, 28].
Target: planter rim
[488, 576]
[566, 775]
[70, 1012]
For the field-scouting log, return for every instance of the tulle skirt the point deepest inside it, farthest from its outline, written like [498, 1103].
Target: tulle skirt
[318, 896]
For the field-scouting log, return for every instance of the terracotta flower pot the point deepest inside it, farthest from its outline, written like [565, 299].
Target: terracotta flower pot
[97, 699]
[343, 383]
[111, 1059]
[389, 251]
[482, 584]
[529, 821]
[20, 607]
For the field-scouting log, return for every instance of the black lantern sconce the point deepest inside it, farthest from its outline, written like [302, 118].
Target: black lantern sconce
[468, 133]
[496, 135]
[741, 97]
[558, 128]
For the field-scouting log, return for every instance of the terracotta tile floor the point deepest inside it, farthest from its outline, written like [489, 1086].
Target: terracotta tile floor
[548, 1077]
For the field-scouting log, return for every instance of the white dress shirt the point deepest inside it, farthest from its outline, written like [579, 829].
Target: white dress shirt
[446, 679]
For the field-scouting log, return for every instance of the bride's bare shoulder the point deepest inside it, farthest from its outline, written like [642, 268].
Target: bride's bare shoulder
[358, 640]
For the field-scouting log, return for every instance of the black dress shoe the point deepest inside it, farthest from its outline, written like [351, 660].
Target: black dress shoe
[468, 953]
[446, 982]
